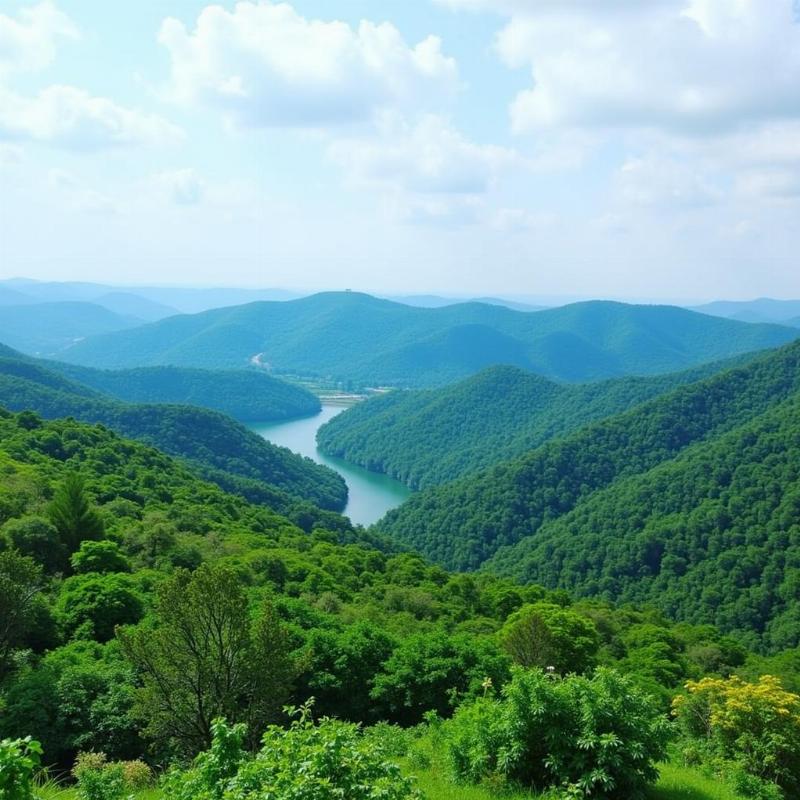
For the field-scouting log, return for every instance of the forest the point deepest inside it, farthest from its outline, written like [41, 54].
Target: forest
[153, 618]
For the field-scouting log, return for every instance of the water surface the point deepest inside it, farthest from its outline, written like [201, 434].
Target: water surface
[370, 494]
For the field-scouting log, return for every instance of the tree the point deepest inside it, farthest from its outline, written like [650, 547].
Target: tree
[20, 583]
[102, 556]
[72, 514]
[545, 635]
[38, 538]
[205, 658]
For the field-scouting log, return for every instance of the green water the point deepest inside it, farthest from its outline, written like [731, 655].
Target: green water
[370, 495]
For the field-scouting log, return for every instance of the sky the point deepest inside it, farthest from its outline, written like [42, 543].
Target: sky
[630, 149]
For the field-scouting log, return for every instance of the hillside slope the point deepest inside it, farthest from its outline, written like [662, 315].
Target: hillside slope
[463, 523]
[428, 437]
[217, 446]
[48, 328]
[358, 338]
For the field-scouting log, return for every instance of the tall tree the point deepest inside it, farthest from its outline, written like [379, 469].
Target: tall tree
[206, 658]
[20, 583]
[73, 515]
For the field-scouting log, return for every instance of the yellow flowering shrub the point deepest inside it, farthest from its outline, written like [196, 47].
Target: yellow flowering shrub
[756, 724]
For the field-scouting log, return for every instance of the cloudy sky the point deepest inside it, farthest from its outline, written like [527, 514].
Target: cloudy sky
[610, 148]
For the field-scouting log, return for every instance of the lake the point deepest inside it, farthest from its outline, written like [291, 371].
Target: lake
[370, 495]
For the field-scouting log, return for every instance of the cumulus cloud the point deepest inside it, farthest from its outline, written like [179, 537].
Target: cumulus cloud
[29, 42]
[72, 118]
[662, 183]
[690, 66]
[263, 64]
[429, 157]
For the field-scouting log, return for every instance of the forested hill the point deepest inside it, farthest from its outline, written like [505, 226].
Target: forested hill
[427, 437]
[463, 523]
[358, 338]
[247, 395]
[710, 536]
[215, 445]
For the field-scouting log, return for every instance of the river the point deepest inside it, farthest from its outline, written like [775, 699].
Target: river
[370, 494]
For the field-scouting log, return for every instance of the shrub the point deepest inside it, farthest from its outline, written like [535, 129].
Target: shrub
[595, 737]
[754, 724]
[105, 783]
[19, 760]
[137, 775]
[337, 762]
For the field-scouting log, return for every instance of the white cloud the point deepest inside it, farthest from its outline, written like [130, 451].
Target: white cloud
[183, 186]
[28, 43]
[778, 184]
[429, 157]
[661, 183]
[72, 118]
[687, 66]
[79, 197]
[265, 65]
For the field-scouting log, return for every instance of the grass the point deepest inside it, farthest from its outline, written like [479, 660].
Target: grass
[676, 783]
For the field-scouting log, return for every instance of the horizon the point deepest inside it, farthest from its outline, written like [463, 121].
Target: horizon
[405, 150]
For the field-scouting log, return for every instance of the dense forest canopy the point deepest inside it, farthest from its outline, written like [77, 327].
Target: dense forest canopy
[428, 437]
[360, 339]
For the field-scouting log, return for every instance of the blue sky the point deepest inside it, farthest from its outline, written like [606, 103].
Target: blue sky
[636, 149]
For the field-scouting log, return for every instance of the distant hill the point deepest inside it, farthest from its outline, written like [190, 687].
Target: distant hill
[428, 437]
[436, 301]
[48, 328]
[463, 523]
[762, 310]
[134, 305]
[354, 337]
[217, 447]
[11, 297]
[247, 395]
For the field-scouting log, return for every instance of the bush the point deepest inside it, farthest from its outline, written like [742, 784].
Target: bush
[754, 724]
[596, 737]
[337, 762]
[19, 760]
[100, 780]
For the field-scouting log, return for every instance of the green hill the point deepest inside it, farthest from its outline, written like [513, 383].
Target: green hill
[248, 395]
[428, 437]
[463, 523]
[710, 536]
[215, 445]
[48, 328]
[358, 338]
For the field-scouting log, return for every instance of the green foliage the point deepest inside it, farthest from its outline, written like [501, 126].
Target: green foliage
[20, 583]
[19, 760]
[102, 556]
[72, 514]
[550, 637]
[204, 658]
[354, 337]
[101, 782]
[598, 737]
[93, 605]
[38, 538]
[754, 724]
[337, 760]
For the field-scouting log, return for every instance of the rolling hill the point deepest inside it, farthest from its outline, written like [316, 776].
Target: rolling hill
[464, 522]
[764, 309]
[216, 447]
[357, 338]
[427, 437]
[247, 395]
[48, 328]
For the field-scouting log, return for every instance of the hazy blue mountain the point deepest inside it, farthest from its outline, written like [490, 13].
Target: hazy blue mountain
[48, 328]
[12, 297]
[134, 305]
[427, 437]
[436, 301]
[176, 299]
[763, 309]
[358, 338]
